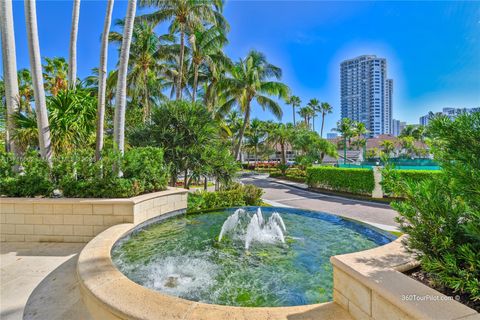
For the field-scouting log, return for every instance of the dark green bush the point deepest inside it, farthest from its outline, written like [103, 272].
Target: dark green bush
[356, 181]
[77, 175]
[441, 215]
[236, 196]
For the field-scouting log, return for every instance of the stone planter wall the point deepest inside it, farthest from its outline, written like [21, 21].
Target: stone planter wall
[370, 285]
[79, 220]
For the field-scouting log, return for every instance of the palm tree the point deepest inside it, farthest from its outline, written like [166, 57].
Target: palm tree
[294, 101]
[185, 16]
[314, 105]
[325, 109]
[9, 70]
[102, 80]
[207, 50]
[345, 128]
[306, 113]
[255, 137]
[249, 79]
[281, 135]
[121, 94]
[387, 147]
[37, 80]
[72, 58]
[144, 65]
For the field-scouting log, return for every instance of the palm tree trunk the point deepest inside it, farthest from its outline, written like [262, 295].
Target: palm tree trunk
[102, 80]
[293, 107]
[242, 131]
[195, 81]
[121, 94]
[323, 121]
[180, 67]
[9, 71]
[37, 80]
[313, 123]
[72, 59]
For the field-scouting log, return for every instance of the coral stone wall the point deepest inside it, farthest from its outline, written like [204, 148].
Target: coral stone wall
[79, 220]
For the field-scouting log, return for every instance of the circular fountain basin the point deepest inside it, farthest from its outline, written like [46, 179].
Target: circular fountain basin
[182, 256]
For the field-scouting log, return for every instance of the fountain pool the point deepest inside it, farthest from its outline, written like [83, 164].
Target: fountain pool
[248, 257]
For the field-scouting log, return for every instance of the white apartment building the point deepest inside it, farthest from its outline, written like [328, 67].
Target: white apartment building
[366, 94]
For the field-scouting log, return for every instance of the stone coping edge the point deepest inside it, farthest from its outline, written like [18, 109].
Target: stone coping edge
[109, 294]
[380, 269]
[132, 200]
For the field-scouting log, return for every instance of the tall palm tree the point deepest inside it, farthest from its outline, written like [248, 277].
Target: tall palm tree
[294, 101]
[314, 104]
[37, 80]
[185, 16]
[102, 80]
[207, 50]
[250, 79]
[256, 135]
[72, 58]
[9, 70]
[325, 109]
[121, 94]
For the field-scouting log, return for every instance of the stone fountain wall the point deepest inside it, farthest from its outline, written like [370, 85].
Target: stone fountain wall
[79, 220]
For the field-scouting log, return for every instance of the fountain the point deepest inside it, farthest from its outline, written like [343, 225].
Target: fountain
[258, 230]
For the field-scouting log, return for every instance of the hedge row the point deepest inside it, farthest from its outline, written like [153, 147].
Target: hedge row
[356, 181]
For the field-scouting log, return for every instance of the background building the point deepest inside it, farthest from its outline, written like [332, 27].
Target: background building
[332, 135]
[452, 113]
[397, 127]
[366, 93]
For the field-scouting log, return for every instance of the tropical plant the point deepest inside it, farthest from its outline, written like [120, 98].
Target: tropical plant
[206, 50]
[55, 75]
[121, 94]
[256, 136]
[25, 91]
[441, 215]
[185, 17]
[72, 117]
[306, 113]
[325, 109]
[281, 135]
[387, 147]
[311, 146]
[346, 129]
[102, 81]
[37, 80]
[250, 79]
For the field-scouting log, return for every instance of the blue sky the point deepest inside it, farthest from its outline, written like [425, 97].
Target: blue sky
[432, 48]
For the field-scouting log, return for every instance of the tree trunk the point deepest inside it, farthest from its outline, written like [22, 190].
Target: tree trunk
[195, 81]
[323, 121]
[72, 59]
[242, 131]
[205, 184]
[313, 123]
[102, 80]
[256, 158]
[293, 107]
[37, 80]
[180, 67]
[121, 95]
[9, 72]
[185, 179]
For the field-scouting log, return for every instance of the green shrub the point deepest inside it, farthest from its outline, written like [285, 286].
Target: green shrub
[389, 177]
[31, 179]
[441, 215]
[236, 196]
[356, 181]
[77, 175]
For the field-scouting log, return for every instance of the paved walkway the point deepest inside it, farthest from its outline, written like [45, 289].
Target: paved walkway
[292, 194]
[38, 281]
